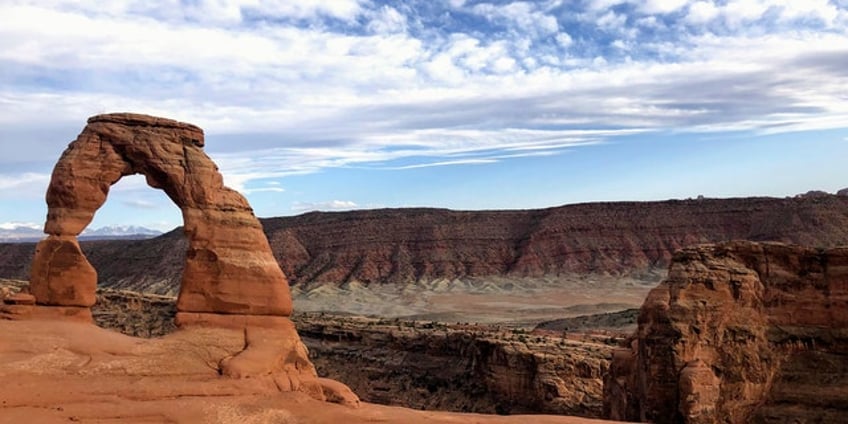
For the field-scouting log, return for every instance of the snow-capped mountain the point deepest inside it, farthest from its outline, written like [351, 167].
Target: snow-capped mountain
[20, 231]
[28, 232]
[120, 231]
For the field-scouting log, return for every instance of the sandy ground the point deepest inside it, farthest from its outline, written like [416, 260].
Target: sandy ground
[60, 372]
[523, 302]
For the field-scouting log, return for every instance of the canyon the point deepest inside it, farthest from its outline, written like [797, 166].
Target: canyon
[422, 365]
[403, 246]
[496, 312]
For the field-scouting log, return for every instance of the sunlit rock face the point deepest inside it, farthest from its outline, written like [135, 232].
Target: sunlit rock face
[231, 281]
[229, 268]
[739, 332]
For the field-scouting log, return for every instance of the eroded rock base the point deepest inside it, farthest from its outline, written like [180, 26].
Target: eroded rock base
[60, 372]
[17, 312]
[194, 359]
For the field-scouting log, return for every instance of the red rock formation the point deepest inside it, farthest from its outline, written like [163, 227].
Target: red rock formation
[228, 267]
[400, 246]
[722, 338]
[60, 372]
[230, 278]
[470, 369]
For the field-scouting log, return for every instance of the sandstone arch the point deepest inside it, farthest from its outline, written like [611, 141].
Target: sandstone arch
[230, 280]
[229, 267]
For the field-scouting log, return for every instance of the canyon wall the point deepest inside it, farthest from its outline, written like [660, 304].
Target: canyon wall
[739, 332]
[388, 246]
[416, 364]
[434, 366]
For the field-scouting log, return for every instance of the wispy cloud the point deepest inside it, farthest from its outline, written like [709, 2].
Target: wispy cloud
[14, 225]
[447, 163]
[140, 204]
[26, 185]
[332, 205]
[26, 179]
[263, 189]
[369, 83]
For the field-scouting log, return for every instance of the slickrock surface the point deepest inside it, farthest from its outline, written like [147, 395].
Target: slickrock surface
[739, 332]
[69, 372]
[403, 246]
[418, 364]
[228, 264]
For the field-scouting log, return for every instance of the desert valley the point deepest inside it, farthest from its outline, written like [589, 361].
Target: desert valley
[424, 211]
[694, 311]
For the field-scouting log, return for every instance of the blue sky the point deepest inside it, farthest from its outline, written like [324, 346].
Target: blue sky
[345, 104]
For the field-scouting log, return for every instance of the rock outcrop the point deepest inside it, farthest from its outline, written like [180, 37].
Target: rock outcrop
[403, 246]
[465, 368]
[739, 332]
[230, 278]
[62, 372]
[228, 268]
[418, 364]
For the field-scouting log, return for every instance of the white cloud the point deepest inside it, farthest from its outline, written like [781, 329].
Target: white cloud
[20, 181]
[140, 204]
[598, 5]
[471, 161]
[15, 224]
[27, 185]
[339, 9]
[234, 11]
[611, 21]
[390, 92]
[737, 12]
[815, 9]
[263, 190]
[524, 15]
[662, 6]
[332, 205]
[564, 39]
[387, 20]
[701, 12]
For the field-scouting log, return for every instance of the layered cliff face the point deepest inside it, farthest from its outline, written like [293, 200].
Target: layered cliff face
[433, 366]
[417, 364]
[390, 246]
[739, 332]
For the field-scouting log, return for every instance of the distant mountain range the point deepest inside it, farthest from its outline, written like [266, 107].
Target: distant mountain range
[403, 246]
[19, 233]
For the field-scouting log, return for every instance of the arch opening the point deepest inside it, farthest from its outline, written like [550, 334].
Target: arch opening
[133, 203]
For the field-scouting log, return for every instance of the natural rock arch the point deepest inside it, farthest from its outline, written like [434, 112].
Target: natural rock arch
[229, 266]
[231, 281]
